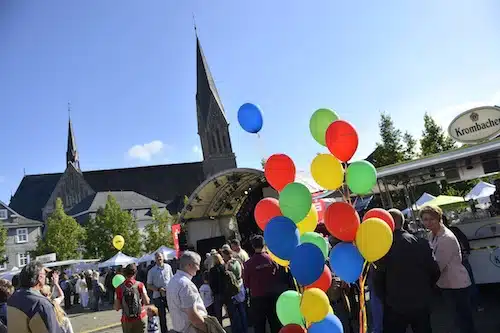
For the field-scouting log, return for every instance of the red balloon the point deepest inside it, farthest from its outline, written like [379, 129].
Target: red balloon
[265, 210]
[380, 214]
[292, 328]
[342, 221]
[279, 171]
[324, 282]
[342, 140]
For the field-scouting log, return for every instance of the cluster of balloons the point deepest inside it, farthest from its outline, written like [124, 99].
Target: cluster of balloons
[289, 222]
[118, 243]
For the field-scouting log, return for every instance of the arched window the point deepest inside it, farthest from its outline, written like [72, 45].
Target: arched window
[219, 139]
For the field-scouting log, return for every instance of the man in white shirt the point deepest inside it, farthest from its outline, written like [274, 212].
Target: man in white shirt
[238, 251]
[186, 307]
[158, 278]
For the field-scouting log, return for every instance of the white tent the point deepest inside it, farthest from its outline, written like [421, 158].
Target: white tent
[10, 274]
[424, 198]
[146, 258]
[167, 252]
[482, 190]
[118, 259]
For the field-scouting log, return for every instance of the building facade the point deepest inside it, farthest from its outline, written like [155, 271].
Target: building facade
[22, 234]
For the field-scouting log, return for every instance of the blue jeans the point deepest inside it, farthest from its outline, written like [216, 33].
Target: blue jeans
[461, 300]
[473, 288]
[376, 310]
[238, 316]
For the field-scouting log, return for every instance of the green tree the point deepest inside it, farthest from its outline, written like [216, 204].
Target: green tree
[107, 223]
[434, 140]
[159, 232]
[390, 150]
[63, 235]
[410, 146]
[3, 240]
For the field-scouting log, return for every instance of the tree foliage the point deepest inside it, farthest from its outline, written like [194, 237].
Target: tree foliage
[63, 235]
[410, 147]
[3, 240]
[390, 150]
[159, 232]
[434, 140]
[107, 223]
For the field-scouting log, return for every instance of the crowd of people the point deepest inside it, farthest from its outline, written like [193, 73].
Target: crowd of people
[197, 293]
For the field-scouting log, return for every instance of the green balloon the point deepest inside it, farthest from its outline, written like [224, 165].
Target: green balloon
[295, 201]
[319, 122]
[117, 280]
[288, 308]
[361, 176]
[316, 239]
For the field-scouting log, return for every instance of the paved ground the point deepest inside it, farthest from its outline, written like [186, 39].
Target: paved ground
[487, 321]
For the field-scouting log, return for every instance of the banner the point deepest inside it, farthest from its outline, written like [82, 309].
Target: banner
[176, 230]
[320, 208]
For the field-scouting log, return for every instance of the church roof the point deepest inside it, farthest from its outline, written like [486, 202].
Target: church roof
[127, 200]
[162, 183]
[205, 84]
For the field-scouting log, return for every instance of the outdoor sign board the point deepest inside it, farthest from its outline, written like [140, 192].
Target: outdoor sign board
[46, 258]
[476, 125]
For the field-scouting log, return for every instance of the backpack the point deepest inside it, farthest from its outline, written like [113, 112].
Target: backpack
[131, 300]
[232, 287]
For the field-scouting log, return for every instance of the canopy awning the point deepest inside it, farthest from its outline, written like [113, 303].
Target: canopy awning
[118, 259]
[481, 190]
[424, 198]
[443, 200]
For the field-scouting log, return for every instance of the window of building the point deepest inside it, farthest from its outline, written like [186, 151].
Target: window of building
[4, 214]
[22, 235]
[23, 259]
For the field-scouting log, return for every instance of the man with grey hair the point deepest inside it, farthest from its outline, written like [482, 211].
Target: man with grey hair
[185, 304]
[158, 278]
[410, 260]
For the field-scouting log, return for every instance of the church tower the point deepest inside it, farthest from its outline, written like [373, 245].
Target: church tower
[71, 152]
[213, 127]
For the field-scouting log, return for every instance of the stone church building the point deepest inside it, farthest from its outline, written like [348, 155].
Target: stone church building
[138, 188]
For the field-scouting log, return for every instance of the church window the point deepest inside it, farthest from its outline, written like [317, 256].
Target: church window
[212, 142]
[22, 235]
[217, 133]
[3, 214]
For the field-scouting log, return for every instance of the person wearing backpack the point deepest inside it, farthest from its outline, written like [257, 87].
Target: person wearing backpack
[235, 293]
[131, 297]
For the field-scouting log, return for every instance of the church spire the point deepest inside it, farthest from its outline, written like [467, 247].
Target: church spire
[71, 152]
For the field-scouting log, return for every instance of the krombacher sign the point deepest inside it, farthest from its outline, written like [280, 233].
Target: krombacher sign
[476, 125]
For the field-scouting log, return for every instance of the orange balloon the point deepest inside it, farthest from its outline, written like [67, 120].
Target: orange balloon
[324, 282]
[265, 210]
[279, 171]
[380, 214]
[342, 140]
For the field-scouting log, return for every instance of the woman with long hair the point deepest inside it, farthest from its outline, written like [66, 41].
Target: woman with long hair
[216, 279]
[61, 317]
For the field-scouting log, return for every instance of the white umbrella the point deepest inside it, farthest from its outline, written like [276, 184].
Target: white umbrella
[167, 252]
[118, 259]
[147, 257]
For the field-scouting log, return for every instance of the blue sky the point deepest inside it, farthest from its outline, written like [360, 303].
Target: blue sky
[128, 68]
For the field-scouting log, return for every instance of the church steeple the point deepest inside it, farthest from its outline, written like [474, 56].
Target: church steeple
[213, 127]
[71, 152]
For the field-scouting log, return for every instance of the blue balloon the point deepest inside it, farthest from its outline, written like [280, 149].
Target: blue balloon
[331, 324]
[250, 118]
[346, 262]
[307, 263]
[282, 237]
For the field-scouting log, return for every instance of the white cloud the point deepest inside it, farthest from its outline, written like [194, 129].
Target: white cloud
[444, 116]
[146, 151]
[197, 150]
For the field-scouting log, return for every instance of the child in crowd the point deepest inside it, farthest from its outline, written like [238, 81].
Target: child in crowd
[153, 319]
[207, 295]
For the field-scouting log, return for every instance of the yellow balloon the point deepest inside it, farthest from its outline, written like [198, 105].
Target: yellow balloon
[327, 171]
[373, 239]
[330, 310]
[309, 223]
[118, 242]
[277, 260]
[315, 305]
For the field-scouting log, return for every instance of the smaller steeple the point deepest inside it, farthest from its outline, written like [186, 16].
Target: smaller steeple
[71, 152]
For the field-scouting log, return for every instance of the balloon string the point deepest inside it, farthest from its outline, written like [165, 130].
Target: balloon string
[363, 322]
[261, 148]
